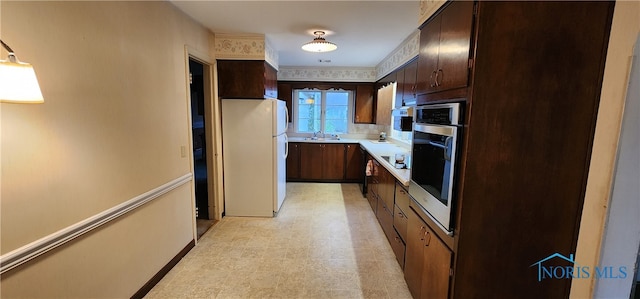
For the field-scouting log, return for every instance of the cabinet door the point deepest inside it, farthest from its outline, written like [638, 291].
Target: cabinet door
[354, 167]
[371, 197]
[402, 197]
[311, 161]
[399, 88]
[333, 161]
[445, 43]
[398, 248]
[435, 267]
[387, 188]
[293, 161]
[455, 33]
[428, 56]
[384, 105]
[409, 84]
[364, 104]
[414, 256]
[400, 222]
[238, 79]
[285, 93]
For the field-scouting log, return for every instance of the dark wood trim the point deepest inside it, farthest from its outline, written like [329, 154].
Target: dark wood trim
[156, 278]
[452, 95]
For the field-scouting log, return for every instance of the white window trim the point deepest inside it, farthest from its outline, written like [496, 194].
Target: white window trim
[350, 107]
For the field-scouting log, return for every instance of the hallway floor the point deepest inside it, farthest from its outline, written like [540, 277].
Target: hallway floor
[324, 243]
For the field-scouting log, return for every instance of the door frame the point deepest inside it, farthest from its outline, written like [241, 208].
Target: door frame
[212, 131]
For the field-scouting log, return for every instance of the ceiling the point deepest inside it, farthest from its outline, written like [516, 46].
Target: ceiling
[365, 31]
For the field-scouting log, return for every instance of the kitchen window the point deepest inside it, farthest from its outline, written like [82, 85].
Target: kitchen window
[326, 111]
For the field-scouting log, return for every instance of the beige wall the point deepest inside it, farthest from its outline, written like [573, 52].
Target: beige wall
[624, 31]
[114, 119]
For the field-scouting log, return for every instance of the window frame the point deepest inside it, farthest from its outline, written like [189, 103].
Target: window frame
[323, 106]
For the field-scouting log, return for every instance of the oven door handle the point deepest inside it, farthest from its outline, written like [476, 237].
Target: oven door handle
[447, 148]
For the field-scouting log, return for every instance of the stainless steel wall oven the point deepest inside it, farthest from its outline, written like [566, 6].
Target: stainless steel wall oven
[436, 140]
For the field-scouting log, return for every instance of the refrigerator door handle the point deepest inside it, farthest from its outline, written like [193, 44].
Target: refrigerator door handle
[286, 115]
[286, 146]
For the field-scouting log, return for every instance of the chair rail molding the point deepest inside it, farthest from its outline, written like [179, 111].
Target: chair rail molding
[43, 245]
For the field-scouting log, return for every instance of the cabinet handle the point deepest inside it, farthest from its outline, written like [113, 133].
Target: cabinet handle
[421, 233]
[427, 238]
[397, 239]
[433, 82]
[400, 214]
[439, 83]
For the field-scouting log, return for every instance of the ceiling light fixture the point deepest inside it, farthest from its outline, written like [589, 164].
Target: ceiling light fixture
[319, 44]
[18, 82]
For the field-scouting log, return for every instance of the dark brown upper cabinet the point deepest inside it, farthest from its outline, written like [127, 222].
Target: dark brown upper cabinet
[364, 105]
[246, 79]
[408, 85]
[445, 43]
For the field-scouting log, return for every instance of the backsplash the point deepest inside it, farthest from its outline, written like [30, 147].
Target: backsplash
[368, 129]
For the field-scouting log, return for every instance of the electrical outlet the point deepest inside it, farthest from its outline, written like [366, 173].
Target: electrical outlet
[183, 151]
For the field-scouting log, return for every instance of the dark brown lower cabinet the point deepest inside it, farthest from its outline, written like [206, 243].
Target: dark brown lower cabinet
[372, 198]
[353, 167]
[311, 164]
[427, 261]
[331, 162]
[400, 221]
[386, 187]
[293, 161]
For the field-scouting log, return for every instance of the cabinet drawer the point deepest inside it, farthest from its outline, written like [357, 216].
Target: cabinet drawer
[373, 200]
[385, 217]
[400, 222]
[402, 198]
[398, 247]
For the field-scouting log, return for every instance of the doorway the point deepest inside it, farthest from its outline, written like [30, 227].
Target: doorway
[200, 138]
[621, 237]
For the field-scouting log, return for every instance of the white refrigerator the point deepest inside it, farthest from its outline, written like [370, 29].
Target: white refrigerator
[254, 152]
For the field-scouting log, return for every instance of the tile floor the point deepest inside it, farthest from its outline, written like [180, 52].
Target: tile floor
[325, 243]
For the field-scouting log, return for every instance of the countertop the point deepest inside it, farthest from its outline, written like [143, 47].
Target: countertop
[379, 149]
[324, 140]
[376, 149]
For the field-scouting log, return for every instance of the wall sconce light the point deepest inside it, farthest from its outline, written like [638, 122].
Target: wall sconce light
[18, 82]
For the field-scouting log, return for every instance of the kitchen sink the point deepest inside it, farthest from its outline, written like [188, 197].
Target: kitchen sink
[320, 138]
